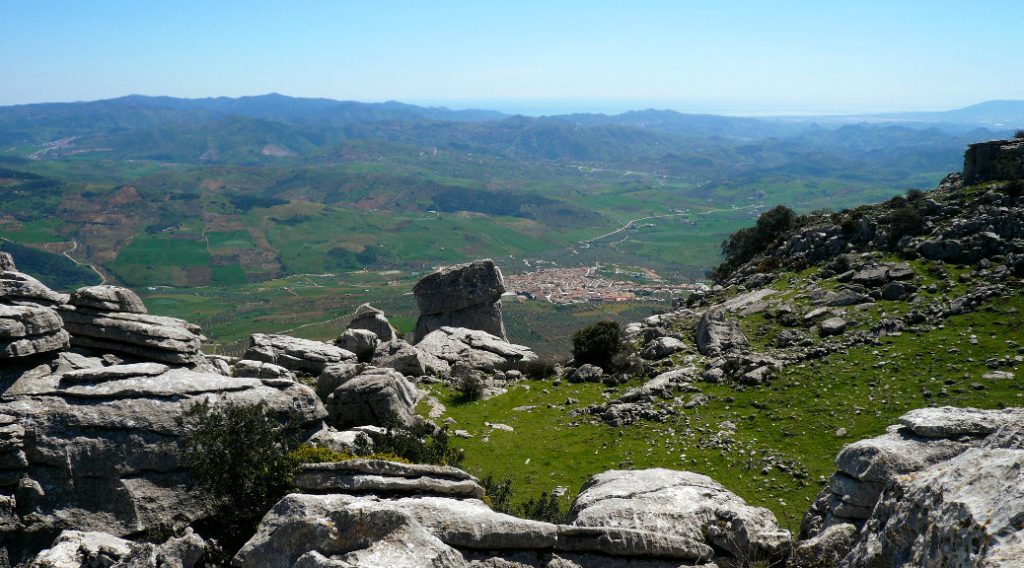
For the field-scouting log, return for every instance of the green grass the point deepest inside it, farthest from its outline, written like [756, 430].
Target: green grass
[163, 259]
[793, 420]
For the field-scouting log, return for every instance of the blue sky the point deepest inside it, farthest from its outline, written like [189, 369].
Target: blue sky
[731, 56]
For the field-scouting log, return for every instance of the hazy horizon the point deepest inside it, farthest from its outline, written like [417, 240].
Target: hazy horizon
[741, 58]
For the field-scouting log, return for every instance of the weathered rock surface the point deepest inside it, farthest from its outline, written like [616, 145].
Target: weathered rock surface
[371, 398]
[260, 370]
[371, 319]
[17, 288]
[362, 342]
[106, 298]
[662, 347]
[298, 355]
[462, 296]
[78, 549]
[113, 319]
[833, 326]
[7, 262]
[682, 504]
[995, 160]
[381, 477]
[586, 373]
[406, 359]
[448, 346]
[717, 334]
[29, 330]
[94, 448]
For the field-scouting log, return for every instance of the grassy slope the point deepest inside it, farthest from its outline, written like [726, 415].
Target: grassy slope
[793, 421]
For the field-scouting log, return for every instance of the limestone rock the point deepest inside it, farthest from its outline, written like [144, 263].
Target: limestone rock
[475, 349]
[29, 330]
[897, 452]
[106, 298]
[826, 549]
[682, 504]
[951, 422]
[995, 160]
[156, 338]
[586, 373]
[345, 441]
[406, 359]
[20, 288]
[7, 263]
[717, 334]
[298, 355]
[362, 342]
[381, 477]
[260, 370]
[373, 320]
[662, 347]
[334, 376]
[78, 549]
[371, 398]
[962, 512]
[832, 326]
[466, 296]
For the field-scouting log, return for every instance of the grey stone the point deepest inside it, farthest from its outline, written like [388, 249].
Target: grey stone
[19, 288]
[662, 347]
[7, 263]
[298, 355]
[448, 346]
[586, 373]
[894, 291]
[383, 477]
[114, 372]
[335, 375]
[78, 549]
[362, 342]
[108, 298]
[832, 326]
[845, 298]
[466, 296]
[260, 370]
[951, 422]
[169, 340]
[897, 452]
[406, 359]
[826, 549]
[680, 504]
[373, 397]
[626, 542]
[373, 320]
[716, 334]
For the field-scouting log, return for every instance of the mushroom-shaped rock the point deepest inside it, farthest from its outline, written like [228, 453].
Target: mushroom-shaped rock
[467, 295]
[682, 504]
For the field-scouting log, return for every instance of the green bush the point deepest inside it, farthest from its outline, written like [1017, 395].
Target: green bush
[745, 244]
[420, 443]
[597, 344]
[902, 222]
[544, 508]
[470, 387]
[1019, 134]
[239, 457]
[498, 494]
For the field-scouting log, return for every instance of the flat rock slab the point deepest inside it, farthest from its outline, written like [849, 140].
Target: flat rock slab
[897, 452]
[390, 468]
[951, 422]
[476, 349]
[23, 321]
[16, 287]
[108, 298]
[323, 481]
[295, 354]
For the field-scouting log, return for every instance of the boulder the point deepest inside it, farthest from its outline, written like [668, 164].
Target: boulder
[586, 373]
[717, 334]
[30, 330]
[373, 397]
[17, 288]
[380, 477]
[78, 549]
[681, 504]
[662, 347]
[832, 326]
[333, 376]
[826, 549]
[951, 422]
[995, 160]
[297, 355]
[106, 298]
[894, 453]
[113, 319]
[89, 447]
[963, 512]
[260, 370]
[371, 319]
[462, 296]
[479, 350]
[406, 359]
[895, 291]
[362, 342]
[345, 441]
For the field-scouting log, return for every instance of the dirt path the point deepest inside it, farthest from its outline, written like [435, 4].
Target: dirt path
[634, 221]
[74, 247]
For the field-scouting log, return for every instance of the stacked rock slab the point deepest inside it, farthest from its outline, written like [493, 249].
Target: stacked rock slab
[899, 495]
[467, 295]
[113, 319]
[478, 350]
[384, 514]
[28, 323]
[297, 355]
[89, 447]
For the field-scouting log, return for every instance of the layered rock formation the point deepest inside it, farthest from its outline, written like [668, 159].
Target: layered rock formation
[467, 295]
[113, 319]
[298, 355]
[995, 160]
[370, 513]
[28, 323]
[448, 346]
[939, 489]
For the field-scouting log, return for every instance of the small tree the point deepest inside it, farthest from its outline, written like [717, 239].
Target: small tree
[238, 455]
[597, 344]
[1019, 134]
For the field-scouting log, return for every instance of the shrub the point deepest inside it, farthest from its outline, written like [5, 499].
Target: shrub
[470, 387]
[541, 368]
[1019, 134]
[498, 493]
[902, 222]
[421, 442]
[914, 194]
[745, 244]
[597, 344]
[239, 457]
[313, 454]
[544, 508]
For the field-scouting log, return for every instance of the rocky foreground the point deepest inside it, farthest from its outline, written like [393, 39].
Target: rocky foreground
[93, 390]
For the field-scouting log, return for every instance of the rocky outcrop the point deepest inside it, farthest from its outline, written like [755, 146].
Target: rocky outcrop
[680, 504]
[28, 323]
[406, 359]
[373, 320]
[938, 489]
[113, 319]
[379, 477]
[448, 346]
[995, 160]
[466, 296]
[78, 549]
[662, 347]
[362, 342]
[298, 355]
[372, 398]
[717, 334]
[93, 447]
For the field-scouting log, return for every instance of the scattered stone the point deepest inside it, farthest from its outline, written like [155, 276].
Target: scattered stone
[832, 326]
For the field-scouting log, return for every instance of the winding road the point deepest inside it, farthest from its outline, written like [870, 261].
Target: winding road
[634, 221]
[74, 247]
